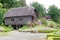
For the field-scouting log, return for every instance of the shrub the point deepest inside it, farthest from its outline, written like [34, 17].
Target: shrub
[52, 24]
[43, 21]
[53, 38]
[7, 29]
[24, 27]
[54, 34]
[47, 30]
[11, 28]
[56, 38]
[20, 30]
[44, 30]
[58, 26]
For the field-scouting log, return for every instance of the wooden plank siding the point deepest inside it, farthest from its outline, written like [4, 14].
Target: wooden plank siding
[18, 20]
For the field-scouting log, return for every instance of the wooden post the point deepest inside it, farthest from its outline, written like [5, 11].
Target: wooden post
[16, 27]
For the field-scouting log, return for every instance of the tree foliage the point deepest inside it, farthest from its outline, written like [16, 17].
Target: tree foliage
[2, 12]
[12, 3]
[1, 5]
[40, 9]
[8, 3]
[20, 3]
[54, 12]
[23, 2]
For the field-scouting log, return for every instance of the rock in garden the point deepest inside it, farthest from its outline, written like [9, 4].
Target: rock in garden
[1, 29]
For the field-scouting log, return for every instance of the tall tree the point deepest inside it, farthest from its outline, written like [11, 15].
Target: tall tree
[20, 3]
[2, 12]
[12, 3]
[40, 9]
[53, 11]
[8, 3]
[1, 5]
[23, 2]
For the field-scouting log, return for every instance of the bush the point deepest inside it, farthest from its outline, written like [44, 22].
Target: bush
[52, 24]
[20, 30]
[54, 34]
[53, 38]
[43, 21]
[58, 26]
[11, 28]
[24, 27]
[57, 38]
[44, 30]
[7, 29]
[47, 30]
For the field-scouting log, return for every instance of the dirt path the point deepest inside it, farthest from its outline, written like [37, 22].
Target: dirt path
[15, 35]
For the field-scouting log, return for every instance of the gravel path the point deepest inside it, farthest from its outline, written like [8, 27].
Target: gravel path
[15, 35]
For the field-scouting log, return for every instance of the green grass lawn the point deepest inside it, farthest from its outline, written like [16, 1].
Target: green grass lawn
[3, 34]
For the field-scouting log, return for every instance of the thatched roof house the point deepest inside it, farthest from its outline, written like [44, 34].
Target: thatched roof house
[20, 11]
[20, 15]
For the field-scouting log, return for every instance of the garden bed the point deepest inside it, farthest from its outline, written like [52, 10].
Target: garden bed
[38, 30]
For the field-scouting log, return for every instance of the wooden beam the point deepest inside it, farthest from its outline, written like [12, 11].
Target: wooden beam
[16, 27]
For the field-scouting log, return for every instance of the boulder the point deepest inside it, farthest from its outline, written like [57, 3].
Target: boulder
[1, 29]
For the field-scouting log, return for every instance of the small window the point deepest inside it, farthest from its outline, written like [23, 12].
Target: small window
[21, 18]
[12, 19]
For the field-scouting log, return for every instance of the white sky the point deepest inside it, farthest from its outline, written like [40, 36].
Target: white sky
[46, 3]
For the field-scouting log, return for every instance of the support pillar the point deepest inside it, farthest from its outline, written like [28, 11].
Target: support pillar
[16, 27]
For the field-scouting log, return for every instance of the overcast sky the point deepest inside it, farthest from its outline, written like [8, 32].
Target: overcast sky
[46, 3]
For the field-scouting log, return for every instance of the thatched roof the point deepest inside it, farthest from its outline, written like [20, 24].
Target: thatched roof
[20, 11]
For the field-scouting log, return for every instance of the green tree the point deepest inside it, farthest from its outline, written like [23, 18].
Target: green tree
[40, 9]
[23, 2]
[2, 12]
[1, 5]
[8, 3]
[12, 3]
[20, 3]
[53, 11]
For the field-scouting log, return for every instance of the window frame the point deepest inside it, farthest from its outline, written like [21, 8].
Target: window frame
[12, 19]
[21, 18]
